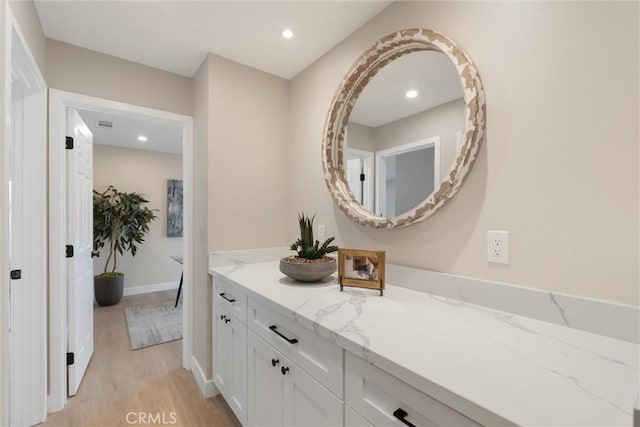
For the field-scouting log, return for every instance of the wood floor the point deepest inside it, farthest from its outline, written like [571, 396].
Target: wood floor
[143, 387]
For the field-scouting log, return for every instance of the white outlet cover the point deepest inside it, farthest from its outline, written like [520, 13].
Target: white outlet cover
[498, 247]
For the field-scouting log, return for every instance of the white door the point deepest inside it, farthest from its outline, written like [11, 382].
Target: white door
[359, 166]
[27, 232]
[266, 383]
[80, 236]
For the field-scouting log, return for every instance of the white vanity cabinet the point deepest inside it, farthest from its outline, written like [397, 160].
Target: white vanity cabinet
[357, 359]
[320, 358]
[379, 398]
[230, 350]
[282, 394]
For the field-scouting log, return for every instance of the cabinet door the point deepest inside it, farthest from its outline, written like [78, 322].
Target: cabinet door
[307, 402]
[221, 359]
[353, 419]
[236, 381]
[266, 384]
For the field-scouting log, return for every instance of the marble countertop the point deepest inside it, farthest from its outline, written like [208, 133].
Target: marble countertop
[493, 366]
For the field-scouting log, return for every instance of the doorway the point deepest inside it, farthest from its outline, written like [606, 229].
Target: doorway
[60, 104]
[406, 175]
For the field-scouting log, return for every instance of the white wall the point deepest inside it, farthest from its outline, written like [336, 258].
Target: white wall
[145, 172]
[559, 168]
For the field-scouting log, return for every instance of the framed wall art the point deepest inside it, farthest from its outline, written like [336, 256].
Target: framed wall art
[175, 210]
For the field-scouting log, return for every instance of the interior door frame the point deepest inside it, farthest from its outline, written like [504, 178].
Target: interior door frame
[59, 101]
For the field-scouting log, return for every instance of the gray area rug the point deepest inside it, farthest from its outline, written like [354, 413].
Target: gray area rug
[153, 324]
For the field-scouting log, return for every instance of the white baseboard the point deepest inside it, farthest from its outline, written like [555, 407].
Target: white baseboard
[145, 289]
[207, 387]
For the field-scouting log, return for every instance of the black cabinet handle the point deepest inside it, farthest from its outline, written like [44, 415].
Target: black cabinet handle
[95, 254]
[224, 295]
[274, 328]
[274, 362]
[222, 317]
[285, 370]
[401, 414]
[227, 320]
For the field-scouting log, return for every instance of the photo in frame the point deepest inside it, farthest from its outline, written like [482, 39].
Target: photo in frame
[361, 268]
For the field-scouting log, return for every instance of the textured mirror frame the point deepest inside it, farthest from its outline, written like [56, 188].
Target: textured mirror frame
[373, 60]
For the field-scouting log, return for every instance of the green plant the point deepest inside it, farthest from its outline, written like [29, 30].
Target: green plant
[121, 220]
[305, 246]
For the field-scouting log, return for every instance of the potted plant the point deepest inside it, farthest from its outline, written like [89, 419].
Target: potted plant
[121, 220]
[312, 263]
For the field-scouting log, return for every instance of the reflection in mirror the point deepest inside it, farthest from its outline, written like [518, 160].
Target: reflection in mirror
[409, 118]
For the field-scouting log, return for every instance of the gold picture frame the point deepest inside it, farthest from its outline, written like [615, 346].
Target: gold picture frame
[361, 268]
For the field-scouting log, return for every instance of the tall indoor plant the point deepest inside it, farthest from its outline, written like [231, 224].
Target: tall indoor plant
[121, 221]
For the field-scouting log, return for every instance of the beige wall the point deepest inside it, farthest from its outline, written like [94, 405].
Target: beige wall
[29, 22]
[202, 333]
[360, 137]
[443, 121]
[75, 69]
[240, 122]
[146, 172]
[559, 168]
[248, 158]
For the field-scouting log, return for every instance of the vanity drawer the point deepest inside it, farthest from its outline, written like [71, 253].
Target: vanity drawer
[231, 298]
[385, 400]
[320, 358]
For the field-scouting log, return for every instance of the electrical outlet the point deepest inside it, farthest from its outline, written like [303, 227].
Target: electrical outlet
[498, 247]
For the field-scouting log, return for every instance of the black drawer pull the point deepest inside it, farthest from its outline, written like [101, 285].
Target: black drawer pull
[222, 317]
[224, 295]
[401, 414]
[274, 362]
[274, 328]
[227, 320]
[284, 370]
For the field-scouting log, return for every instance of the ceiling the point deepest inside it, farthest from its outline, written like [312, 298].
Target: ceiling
[125, 131]
[383, 101]
[176, 35]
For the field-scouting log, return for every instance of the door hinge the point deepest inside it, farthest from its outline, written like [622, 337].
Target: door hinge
[71, 358]
[68, 143]
[69, 250]
[361, 177]
[16, 274]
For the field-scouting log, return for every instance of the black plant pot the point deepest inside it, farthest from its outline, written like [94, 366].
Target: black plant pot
[108, 290]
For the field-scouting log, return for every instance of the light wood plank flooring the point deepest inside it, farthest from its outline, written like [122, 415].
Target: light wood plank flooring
[151, 380]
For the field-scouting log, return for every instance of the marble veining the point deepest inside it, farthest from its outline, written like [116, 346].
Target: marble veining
[493, 366]
[607, 318]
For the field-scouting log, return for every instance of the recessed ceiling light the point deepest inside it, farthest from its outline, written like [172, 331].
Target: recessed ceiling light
[287, 33]
[142, 138]
[411, 93]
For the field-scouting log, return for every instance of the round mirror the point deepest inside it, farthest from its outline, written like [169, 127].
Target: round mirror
[403, 130]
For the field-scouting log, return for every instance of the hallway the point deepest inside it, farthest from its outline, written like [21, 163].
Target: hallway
[125, 387]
